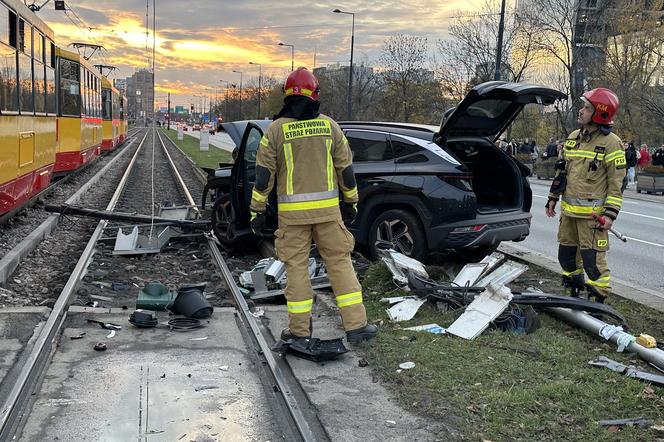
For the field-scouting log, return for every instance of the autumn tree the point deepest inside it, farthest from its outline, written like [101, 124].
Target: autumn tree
[404, 59]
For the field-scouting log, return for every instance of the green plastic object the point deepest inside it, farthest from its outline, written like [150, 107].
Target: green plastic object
[155, 296]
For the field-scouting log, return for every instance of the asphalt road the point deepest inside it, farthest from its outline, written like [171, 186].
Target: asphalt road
[640, 260]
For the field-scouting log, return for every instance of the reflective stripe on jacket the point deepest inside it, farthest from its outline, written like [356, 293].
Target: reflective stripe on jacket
[595, 172]
[308, 158]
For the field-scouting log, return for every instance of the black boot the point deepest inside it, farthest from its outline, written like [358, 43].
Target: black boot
[595, 295]
[575, 284]
[365, 333]
[286, 335]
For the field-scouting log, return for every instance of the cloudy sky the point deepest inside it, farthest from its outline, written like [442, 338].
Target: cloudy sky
[201, 42]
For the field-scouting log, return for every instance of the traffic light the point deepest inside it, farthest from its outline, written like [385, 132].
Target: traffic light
[192, 108]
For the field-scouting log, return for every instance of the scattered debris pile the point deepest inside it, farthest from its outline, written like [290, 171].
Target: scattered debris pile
[267, 278]
[481, 293]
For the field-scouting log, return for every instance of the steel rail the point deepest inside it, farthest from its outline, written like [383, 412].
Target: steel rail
[27, 380]
[279, 379]
[11, 260]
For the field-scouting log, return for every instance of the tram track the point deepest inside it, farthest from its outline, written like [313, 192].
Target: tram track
[290, 411]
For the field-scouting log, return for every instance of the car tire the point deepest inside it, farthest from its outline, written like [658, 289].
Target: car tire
[476, 254]
[399, 230]
[223, 221]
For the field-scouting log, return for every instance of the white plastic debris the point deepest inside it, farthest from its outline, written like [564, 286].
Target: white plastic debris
[223, 368]
[111, 334]
[429, 328]
[469, 274]
[395, 299]
[404, 310]
[504, 274]
[407, 365]
[399, 264]
[479, 314]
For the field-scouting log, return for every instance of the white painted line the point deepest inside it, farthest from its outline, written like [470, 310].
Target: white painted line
[622, 211]
[630, 237]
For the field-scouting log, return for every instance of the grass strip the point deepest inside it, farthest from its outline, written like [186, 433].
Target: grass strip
[504, 386]
[191, 147]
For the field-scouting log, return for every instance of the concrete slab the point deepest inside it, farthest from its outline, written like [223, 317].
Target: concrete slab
[19, 328]
[350, 404]
[152, 384]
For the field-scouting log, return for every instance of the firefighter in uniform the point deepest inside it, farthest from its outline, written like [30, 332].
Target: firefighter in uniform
[308, 155]
[590, 180]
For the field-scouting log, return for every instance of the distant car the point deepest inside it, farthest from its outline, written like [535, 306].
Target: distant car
[422, 188]
[196, 127]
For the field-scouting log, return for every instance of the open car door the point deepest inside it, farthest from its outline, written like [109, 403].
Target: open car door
[243, 177]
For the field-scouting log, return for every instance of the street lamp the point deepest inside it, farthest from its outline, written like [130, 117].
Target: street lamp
[350, 72]
[292, 55]
[240, 72]
[225, 98]
[260, 75]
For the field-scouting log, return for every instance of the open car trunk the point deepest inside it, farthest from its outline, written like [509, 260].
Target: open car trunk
[497, 180]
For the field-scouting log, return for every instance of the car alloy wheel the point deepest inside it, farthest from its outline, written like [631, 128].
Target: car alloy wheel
[223, 220]
[394, 234]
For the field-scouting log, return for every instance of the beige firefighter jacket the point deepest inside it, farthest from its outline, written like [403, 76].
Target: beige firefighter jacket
[311, 161]
[595, 172]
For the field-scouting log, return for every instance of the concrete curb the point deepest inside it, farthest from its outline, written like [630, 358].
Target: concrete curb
[649, 298]
[13, 258]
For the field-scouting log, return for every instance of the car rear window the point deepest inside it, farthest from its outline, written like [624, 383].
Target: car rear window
[402, 147]
[488, 108]
[369, 146]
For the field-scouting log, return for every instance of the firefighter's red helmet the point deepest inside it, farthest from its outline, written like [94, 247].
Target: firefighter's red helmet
[605, 102]
[302, 82]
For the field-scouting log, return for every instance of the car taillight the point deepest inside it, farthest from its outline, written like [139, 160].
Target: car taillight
[469, 229]
[461, 182]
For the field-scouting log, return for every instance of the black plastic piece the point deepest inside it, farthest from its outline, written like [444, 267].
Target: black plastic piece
[313, 349]
[143, 318]
[191, 302]
[544, 300]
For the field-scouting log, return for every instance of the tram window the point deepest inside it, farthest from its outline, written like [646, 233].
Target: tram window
[39, 47]
[26, 98]
[40, 87]
[70, 88]
[50, 90]
[50, 53]
[24, 37]
[8, 89]
[5, 19]
[106, 108]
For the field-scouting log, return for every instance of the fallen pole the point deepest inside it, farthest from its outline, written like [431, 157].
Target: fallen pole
[127, 217]
[653, 355]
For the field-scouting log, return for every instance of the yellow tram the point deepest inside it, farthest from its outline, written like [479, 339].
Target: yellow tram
[27, 104]
[79, 127]
[111, 115]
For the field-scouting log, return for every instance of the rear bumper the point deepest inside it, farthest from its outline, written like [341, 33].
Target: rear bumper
[513, 226]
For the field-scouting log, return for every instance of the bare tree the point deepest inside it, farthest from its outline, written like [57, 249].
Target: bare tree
[404, 59]
[634, 62]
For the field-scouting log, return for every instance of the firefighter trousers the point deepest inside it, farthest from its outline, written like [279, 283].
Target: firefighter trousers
[334, 242]
[582, 247]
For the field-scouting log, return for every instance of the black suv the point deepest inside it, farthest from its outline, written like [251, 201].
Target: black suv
[422, 188]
